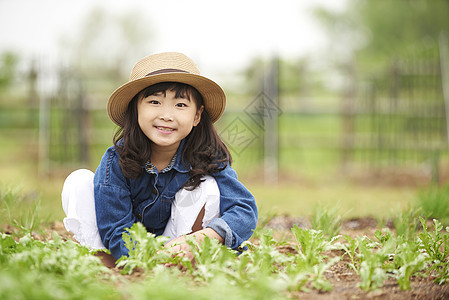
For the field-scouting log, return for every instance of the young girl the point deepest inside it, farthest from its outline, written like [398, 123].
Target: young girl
[168, 168]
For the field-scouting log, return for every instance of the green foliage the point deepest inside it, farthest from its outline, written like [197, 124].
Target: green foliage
[408, 260]
[350, 249]
[8, 66]
[406, 223]
[144, 249]
[54, 269]
[327, 220]
[372, 257]
[401, 256]
[434, 203]
[310, 262]
[210, 258]
[436, 245]
[379, 30]
[310, 244]
[62, 269]
[27, 207]
[368, 258]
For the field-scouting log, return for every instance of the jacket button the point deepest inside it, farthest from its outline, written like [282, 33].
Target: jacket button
[139, 216]
[154, 192]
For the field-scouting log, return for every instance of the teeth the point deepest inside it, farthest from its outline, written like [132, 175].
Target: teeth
[164, 128]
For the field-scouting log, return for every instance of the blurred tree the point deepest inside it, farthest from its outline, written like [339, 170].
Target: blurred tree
[8, 65]
[106, 45]
[373, 31]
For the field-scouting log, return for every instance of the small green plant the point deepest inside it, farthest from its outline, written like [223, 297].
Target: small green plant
[310, 244]
[368, 258]
[327, 220]
[434, 202]
[210, 258]
[436, 245]
[310, 263]
[406, 223]
[22, 210]
[52, 269]
[265, 257]
[408, 260]
[144, 250]
[350, 249]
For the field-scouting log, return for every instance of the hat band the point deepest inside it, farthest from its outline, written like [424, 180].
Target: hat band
[162, 71]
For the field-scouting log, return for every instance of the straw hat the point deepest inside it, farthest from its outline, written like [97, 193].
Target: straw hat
[164, 67]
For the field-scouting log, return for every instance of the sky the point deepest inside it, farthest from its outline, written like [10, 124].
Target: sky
[220, 36]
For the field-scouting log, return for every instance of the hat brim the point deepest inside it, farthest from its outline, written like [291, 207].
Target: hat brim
[213, 95]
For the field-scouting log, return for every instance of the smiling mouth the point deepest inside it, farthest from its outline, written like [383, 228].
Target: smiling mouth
[167, 129]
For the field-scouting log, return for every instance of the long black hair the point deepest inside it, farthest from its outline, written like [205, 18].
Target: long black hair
[204, 152]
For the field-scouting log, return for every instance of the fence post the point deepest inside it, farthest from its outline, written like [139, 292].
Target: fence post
[271, 125]
[44, 132]
[348, 116]
[444, 65]
[82, 114]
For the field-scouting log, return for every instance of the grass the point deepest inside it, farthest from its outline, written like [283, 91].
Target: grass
[353, 200]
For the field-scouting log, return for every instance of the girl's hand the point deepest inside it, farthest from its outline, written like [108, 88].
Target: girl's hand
[180, 247]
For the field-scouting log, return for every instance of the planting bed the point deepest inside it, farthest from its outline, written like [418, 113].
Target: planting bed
[346, 282]
[272, 268]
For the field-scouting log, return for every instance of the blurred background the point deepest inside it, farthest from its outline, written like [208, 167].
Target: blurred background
[329, 102]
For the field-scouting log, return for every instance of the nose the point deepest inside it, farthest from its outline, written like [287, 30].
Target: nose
[166, 114]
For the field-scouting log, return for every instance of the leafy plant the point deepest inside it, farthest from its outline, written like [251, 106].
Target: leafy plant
[327, 220]
[350, 249]
[12, 199]
[210, 257]
[310, 244]
[144, 250]
[371, 258]
[53, 269]
[310, 262]
[434, 202]
[436, 245]
[406, 223]
[409, 260]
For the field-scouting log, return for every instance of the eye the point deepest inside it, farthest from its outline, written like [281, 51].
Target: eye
[150, 101]
[181, 104]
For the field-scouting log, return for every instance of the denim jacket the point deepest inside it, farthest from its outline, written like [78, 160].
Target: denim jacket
[120, 202]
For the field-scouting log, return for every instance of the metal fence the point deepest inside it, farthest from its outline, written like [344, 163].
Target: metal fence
[397, 120]
[400, 120]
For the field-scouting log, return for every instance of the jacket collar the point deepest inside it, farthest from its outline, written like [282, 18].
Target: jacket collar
[176, 163]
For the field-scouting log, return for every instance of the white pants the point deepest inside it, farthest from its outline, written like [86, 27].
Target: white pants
[79, 206]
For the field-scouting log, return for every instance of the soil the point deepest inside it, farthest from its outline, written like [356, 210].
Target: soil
[343, 279]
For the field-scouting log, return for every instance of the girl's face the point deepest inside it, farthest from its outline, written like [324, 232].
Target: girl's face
[166, 120]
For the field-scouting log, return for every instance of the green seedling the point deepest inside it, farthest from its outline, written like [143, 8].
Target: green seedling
[436, 245]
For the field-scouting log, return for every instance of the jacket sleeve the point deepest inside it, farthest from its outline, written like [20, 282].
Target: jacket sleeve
[113, 204]
[238, 210]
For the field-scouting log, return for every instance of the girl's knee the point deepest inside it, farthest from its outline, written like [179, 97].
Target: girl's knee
[79, 178]
[78, 184]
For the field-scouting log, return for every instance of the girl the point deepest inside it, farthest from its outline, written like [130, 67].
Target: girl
[168, 168]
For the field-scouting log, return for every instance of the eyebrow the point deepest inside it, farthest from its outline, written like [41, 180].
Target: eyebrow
[177, 95]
